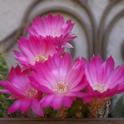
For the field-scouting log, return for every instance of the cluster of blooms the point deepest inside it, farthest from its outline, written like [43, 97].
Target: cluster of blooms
[49, 77]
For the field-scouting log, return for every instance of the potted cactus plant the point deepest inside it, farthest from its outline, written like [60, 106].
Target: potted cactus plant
[48, 83]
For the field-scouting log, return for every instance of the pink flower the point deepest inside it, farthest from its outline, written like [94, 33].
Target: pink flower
[103, 78]
[25, 95]
[60, 79]
[54, 26]
[34, 49]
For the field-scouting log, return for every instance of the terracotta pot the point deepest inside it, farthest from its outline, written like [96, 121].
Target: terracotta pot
[65, 121]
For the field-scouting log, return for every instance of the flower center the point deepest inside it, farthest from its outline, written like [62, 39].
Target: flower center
[40, 58]
[61, 88]
[31, 92]
[100, 87]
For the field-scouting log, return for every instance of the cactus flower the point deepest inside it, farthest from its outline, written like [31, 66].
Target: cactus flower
[104, 79]
[25, 95]
[34, 49]
[60, 79]
[54, 26]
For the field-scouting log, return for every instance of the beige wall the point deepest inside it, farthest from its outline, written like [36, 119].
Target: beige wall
[11, 13]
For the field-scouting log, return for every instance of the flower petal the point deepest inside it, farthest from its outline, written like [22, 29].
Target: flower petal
[15, 106]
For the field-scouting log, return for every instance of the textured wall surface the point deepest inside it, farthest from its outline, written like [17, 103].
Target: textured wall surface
[11, 14]
[99, 25]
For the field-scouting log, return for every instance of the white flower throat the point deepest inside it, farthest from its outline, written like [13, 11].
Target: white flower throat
[99, 87]
[61, 88]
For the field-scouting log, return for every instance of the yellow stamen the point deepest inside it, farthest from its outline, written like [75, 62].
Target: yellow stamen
[40, 58]
[31, 92]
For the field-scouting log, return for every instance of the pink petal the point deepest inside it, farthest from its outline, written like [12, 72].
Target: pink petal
[36, 108]
[67, 102]
[116, 77]
[46, 101]
[57, 102]
[9, 88]
[15, 106]
[75, 75]
[39, 86]
[4, 91]
[25, 104]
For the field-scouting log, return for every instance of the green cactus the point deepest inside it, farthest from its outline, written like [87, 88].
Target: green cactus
[3, 68]
[4, 101]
